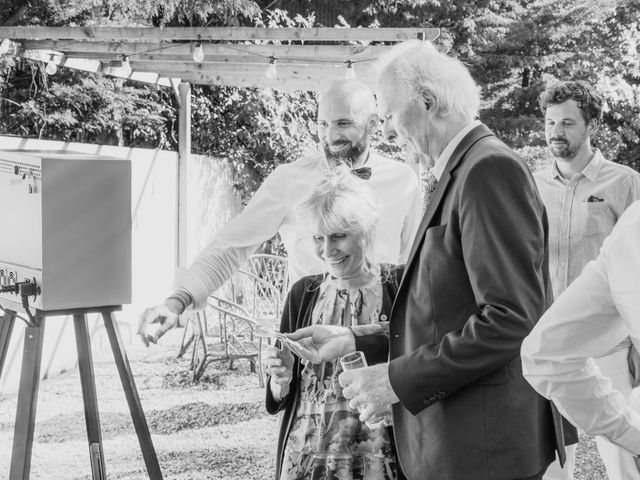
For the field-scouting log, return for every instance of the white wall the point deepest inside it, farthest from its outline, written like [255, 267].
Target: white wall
[212, 201]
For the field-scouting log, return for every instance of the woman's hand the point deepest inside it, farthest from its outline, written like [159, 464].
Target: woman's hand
[279, 365]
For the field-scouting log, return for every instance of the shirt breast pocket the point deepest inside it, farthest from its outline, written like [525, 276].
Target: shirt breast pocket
[600, 219]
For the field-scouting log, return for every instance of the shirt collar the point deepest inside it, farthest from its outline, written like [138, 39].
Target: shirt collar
[593, 167]
[590, 171]
[444, 157]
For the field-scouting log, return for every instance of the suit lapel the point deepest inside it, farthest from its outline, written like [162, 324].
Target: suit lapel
[479, 132]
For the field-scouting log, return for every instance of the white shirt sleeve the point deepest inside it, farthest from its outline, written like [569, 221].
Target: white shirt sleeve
[597, 311]
[229, 249]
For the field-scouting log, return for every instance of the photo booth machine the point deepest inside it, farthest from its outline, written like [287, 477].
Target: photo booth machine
[65, 249]
[66, 221]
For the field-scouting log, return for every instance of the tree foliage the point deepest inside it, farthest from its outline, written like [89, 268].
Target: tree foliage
[513, 47]
[596, 41]
[128, 12]
[73, 106]
[255, 129]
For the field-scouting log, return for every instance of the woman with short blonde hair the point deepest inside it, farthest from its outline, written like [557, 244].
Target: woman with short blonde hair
[320, 436]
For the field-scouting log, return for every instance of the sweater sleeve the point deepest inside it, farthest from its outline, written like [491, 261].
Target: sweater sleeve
[299, 300]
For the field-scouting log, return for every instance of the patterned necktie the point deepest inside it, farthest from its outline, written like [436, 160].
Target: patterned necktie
[362, 172]
[428, 183]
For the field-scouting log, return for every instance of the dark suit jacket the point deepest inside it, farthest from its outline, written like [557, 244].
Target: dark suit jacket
[475, 283]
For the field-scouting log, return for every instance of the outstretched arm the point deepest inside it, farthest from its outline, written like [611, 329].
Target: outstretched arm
[229, 249]
[599, 309]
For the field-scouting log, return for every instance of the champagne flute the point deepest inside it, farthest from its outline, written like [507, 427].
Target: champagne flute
[352, 361]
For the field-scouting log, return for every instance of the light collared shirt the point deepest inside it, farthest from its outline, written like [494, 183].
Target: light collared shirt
[273, 208]
[577, 226]
[582, 211]
[441, 161]
[595, 313]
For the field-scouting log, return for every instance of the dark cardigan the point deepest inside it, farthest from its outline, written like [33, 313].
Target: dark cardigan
[297, 314]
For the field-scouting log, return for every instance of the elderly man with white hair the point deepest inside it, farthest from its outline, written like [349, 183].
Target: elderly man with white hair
[475, 283]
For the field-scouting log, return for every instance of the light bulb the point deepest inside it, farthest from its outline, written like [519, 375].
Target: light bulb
[198, 54]
[351, 72]
[271, 71]
[126, 66]
[51, 67]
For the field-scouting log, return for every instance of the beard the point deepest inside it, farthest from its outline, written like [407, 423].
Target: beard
[565, 150]
[344, 151]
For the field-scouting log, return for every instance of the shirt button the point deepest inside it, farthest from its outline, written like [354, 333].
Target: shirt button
[383, 318]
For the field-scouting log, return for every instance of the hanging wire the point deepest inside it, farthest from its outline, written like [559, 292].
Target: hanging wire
[198, 51]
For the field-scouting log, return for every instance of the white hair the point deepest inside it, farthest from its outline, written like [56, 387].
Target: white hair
[422, 72]
[342, 202]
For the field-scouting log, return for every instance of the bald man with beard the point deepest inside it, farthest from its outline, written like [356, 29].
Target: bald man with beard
[346, 119]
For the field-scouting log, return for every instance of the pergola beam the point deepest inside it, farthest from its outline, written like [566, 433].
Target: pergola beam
[219, 33]
[251, 68]
[259, 81]
[94, 66]
[307, 58]
[234, 52]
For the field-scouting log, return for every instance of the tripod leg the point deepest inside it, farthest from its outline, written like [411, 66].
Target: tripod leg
[5, 335]
[131, 392]
[88, 382]
[27, 402]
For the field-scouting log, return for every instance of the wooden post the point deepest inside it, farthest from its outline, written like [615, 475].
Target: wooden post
[184, 153]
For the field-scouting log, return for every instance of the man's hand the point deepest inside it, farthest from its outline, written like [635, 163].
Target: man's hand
[321, 343]
[370, 389]
[634, 365]
[166, 315]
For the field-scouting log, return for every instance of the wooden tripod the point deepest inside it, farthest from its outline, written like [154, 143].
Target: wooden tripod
[30, 381]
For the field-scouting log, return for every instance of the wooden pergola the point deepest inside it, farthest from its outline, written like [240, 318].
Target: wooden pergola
[304, 59]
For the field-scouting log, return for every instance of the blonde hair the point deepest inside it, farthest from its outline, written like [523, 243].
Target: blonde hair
[423, 73]
[342, 202]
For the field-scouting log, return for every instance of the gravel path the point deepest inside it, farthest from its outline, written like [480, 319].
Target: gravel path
[217, 429]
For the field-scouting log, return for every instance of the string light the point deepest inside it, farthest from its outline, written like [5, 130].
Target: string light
[126, 66]
[51, 67]
[198, 54]
[271, 71]
[351, 72]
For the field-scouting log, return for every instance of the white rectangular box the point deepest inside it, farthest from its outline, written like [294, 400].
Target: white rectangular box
[65, 220]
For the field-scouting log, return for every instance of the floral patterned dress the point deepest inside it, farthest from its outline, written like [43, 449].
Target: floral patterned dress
[327, 441]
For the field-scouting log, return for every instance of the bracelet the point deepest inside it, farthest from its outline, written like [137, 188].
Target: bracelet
[183, 298]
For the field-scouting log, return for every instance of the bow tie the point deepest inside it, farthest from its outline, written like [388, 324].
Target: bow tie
[362, 172]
